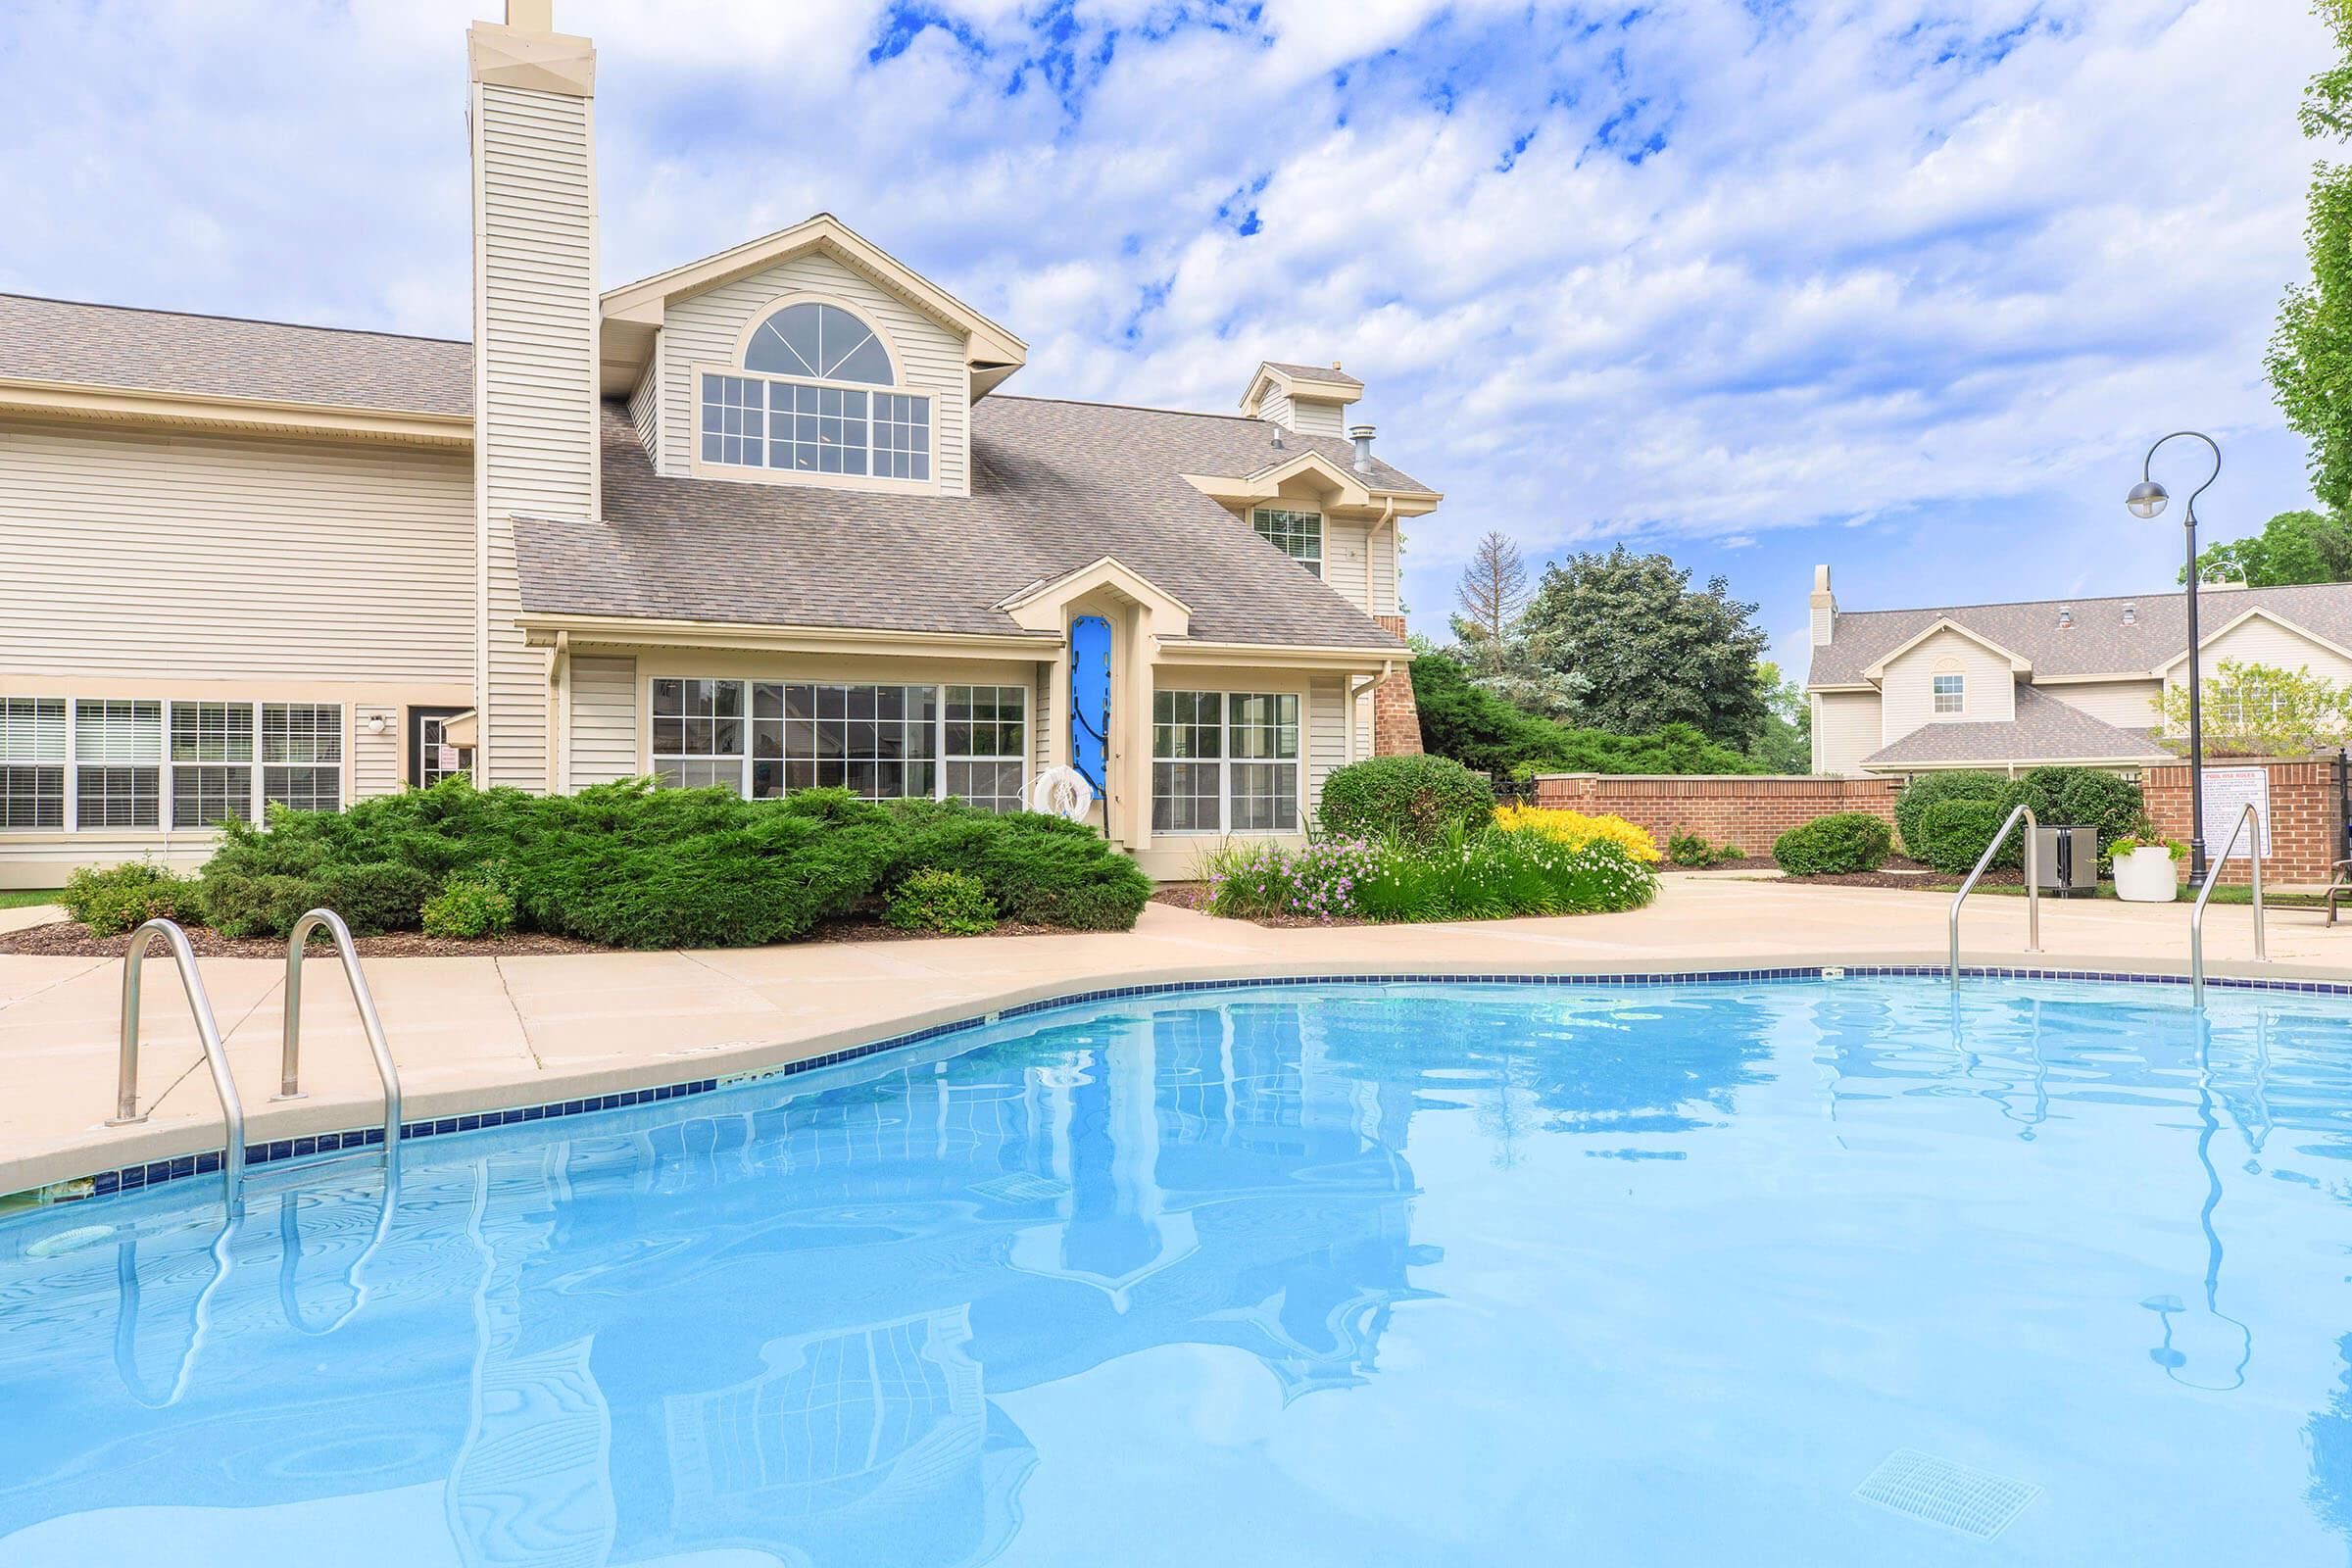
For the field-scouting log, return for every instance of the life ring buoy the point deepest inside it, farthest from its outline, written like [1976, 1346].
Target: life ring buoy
[1063, 792]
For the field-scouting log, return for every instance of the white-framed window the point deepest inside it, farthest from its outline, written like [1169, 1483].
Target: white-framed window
[986, 726]
[699, 734]
[881, 740]
[1224, 762]
[32, 762]
[816, 394]
[118, 762]
[212, 764]
[1950, 692]
[302, 756]
[1297, 534]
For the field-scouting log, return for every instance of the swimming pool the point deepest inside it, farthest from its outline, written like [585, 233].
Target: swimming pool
[1819, 1272]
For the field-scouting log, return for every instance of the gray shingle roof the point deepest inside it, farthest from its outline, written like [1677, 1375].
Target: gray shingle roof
[2045, 730]
[1315, 372]
[2098, 643]
[217, 356]
[1055, 487]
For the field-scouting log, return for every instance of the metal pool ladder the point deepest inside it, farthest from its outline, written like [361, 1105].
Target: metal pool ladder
[215, 1056]
[2032, 884]
[2213, 875]
[233, 1109]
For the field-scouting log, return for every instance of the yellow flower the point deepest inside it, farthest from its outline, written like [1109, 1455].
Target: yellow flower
[1576, 830]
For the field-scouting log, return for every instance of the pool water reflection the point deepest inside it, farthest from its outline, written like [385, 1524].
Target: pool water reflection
[1394, 1274]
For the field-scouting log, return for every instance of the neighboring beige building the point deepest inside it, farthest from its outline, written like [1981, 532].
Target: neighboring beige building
[2019, 685]
[763, 520]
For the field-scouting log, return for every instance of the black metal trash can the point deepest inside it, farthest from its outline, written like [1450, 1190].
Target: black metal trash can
[2066, 860]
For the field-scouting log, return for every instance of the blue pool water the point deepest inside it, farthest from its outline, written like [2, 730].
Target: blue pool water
[1372, 1274]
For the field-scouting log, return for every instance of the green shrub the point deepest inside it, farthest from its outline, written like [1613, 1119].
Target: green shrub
[2084, 797]
[1691, 849]
[119, 897]
[374, 895]
[1957, 831]
[1837, 844]
[630, 866]
[1418, 799]
[468, 907]
[1913, 802]
[937, 900]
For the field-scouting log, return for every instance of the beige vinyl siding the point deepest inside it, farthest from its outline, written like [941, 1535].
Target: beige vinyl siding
[645, 405]
[2124, 704]
[1326, 735]
[1275, 406]
[704, 328]
[604, 721]
[1379, 555]
[536, 350]
[1988, 690]
[375, 758]
[1845, 730]
[1309, 417]
[1345, 564]
[136, 556]
[2261, 641]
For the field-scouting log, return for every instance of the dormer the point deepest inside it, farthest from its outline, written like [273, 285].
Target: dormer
[1306, 397]
[810, 356]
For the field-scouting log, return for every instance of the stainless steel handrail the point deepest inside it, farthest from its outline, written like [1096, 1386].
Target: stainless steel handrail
[2213, 875]
[2032, 884]
[290, 1067]
[215, 1056]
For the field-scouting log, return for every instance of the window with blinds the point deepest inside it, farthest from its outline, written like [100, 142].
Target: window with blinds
[118, 764]
[32, 762]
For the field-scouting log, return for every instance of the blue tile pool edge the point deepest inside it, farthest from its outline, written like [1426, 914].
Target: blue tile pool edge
[152, 1173]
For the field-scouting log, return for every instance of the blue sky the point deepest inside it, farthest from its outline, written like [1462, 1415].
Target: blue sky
[1902, 285]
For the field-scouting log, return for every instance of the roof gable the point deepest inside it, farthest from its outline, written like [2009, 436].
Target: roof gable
[1307, 382]
[2018, 663]
[2262, 612]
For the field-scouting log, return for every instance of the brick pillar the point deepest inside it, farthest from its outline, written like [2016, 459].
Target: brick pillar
[1395, 721]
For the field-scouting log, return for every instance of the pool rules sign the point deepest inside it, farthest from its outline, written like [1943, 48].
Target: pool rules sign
[2229, 791]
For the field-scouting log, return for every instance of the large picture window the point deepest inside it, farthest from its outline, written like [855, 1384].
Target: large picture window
[815, 398]
[1224, 762]
[32, 762]
[1297, 534]
[882, 741]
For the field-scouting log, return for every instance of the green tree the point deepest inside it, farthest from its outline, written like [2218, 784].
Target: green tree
[1786, 744]
[1651, 650]
[2294, 547]
[2262, 710]
[2310, 359]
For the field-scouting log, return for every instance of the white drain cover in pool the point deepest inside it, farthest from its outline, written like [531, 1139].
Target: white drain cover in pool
[1017, 1188]
[1947, 1494]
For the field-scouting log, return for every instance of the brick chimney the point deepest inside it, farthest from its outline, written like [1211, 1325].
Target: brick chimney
[531, 121]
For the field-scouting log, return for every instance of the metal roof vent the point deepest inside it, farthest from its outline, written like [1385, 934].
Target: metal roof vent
[1278, 438]
[2065, 618]
[1362, 435]
[2130, 612]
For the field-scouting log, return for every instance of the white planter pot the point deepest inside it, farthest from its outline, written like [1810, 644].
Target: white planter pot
[2147, 876]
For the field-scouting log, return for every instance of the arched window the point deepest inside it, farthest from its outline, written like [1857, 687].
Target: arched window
[823, 342]
[803, 403]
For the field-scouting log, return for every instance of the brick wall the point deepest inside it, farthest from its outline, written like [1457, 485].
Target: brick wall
[1395, 719]
[1749, 811]
[2307, 829]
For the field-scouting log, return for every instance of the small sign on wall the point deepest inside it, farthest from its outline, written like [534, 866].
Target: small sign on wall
[2229, 791]
[444, 758]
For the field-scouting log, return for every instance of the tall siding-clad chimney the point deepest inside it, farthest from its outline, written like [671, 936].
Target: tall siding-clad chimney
[1825, 608]
[531, 115]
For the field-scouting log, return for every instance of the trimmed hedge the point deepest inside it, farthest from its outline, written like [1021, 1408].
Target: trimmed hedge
[1840, 844]
[1913, 801]
[2083, 797]
[629, 865]
[1417, 798]
[119, 897]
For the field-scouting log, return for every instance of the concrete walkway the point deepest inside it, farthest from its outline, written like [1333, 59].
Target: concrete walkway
[471, 1034]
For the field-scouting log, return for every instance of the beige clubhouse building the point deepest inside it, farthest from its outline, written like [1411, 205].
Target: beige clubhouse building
[766, 520]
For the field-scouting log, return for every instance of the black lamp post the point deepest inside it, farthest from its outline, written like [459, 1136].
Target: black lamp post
[2146, 500]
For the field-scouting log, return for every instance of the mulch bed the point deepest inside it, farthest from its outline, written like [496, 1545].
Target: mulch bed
[1194, 896]
[70, 939]
[1745, 863]
[1910, 874]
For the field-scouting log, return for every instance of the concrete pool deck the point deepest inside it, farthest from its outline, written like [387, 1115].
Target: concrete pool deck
[473, 1034]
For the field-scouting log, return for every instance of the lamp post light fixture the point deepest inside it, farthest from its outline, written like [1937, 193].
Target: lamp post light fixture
[2148, 499]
